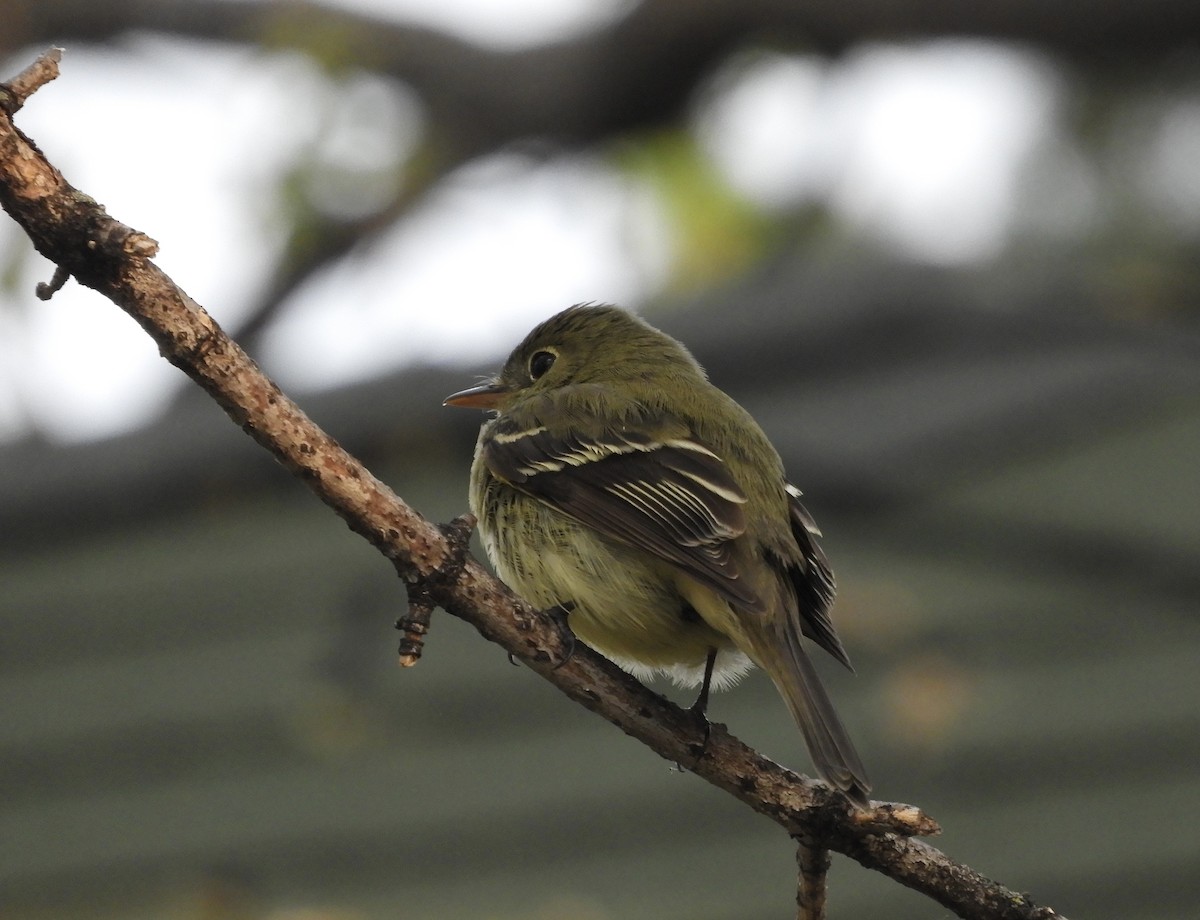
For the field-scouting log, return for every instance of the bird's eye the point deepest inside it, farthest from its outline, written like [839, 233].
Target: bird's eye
[541, 362]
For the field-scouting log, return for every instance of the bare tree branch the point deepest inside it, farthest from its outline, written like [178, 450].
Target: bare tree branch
[73, 231]
[32, 78]
[812, 863]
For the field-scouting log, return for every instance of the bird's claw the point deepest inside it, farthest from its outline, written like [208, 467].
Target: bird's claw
[566, 636]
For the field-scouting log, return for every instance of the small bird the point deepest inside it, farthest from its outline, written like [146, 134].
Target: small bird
[617, 483]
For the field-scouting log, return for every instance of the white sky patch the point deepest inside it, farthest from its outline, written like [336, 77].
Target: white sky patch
[762, 127]
[933, 142]
[502, 24]
[921, 145]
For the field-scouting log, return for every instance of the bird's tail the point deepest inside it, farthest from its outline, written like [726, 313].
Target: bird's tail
[832, 752]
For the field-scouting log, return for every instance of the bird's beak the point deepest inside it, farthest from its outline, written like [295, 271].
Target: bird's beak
[484, 396]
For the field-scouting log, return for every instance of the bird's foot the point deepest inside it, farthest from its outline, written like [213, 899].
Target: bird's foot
[558, 615]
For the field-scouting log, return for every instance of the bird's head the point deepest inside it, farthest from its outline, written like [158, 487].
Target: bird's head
[585, 344]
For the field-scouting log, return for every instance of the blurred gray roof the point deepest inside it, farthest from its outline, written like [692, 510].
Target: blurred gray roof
[197, 674]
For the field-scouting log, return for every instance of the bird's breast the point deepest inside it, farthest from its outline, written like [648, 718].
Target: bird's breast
[626, 603]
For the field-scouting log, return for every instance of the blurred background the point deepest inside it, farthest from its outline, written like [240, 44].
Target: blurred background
[946, 255]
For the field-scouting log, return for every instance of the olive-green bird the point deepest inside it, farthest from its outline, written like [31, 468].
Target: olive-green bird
[616, 482]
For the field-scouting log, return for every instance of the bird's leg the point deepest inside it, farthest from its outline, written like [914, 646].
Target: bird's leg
[700, 707]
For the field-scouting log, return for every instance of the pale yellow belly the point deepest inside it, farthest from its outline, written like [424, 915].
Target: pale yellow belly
[626, 604]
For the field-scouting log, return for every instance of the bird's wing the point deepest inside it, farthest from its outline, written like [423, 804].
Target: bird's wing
[670, 496]
[813, 581]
